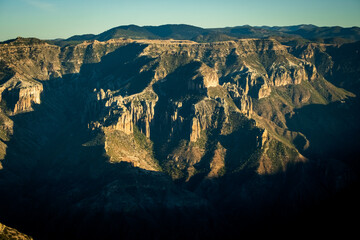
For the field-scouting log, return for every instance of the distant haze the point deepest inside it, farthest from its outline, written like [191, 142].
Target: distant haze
[50, 19]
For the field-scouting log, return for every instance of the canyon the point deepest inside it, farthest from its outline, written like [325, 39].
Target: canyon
[150, 136]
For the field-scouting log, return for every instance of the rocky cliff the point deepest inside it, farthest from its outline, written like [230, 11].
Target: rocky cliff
[155, 126]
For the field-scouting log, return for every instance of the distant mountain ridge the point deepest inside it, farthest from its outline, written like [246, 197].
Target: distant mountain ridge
[189, 32]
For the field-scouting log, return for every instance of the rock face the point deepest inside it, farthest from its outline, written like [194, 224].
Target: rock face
[20, 95]
[146, 130]
[135, 112]
[204, 78]
[204, 112]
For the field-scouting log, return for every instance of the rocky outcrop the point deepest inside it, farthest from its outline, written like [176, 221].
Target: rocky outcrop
[127, 125]
[74, 57]
[217, 164]
[32, 58]
[27, 97]
[280, 76]
[130, 112]
[20, 94]
[195, 130]
[203, 118]
[36, 59]
[204, 78]
[133, 149]
[8, 233]
[134, 114]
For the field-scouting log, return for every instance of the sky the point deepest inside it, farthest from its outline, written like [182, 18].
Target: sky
[50, 19]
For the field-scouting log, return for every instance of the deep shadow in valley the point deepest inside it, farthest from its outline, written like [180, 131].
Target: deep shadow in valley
[332, 130]
[168, 134]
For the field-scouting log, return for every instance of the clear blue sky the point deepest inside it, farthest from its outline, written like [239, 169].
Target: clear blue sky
[48, 19]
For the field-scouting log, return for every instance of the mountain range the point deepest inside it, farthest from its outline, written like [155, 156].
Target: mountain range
[177, 131]
[198, 34]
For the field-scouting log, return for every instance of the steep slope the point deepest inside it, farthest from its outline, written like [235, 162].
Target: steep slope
[165, 132]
